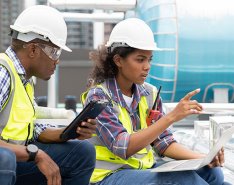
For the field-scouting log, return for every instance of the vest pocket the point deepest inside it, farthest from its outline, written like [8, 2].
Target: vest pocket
[22, 115]
[17, 126]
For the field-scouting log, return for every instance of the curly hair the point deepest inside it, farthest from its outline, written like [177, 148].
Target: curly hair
[104, 65]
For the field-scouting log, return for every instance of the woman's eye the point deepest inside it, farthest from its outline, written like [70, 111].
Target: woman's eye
[140, 60]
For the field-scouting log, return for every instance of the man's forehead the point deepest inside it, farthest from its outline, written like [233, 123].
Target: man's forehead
[45, 42]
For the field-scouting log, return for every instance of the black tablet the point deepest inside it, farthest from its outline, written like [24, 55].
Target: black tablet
[91, 111]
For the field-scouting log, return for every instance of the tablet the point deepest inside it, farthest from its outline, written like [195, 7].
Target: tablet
[91, 111]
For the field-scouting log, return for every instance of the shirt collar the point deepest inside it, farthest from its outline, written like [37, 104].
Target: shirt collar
[116, 93]
[16, 61]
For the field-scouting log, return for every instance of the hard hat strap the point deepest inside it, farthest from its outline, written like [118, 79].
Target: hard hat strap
[26, 37]
[14, 34]
[116, 45]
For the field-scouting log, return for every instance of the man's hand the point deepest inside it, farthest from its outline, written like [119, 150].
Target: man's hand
[218, 159]
[87, 130]
[49, 168]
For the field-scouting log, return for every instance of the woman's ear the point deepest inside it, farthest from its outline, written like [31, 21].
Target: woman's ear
[117, 60]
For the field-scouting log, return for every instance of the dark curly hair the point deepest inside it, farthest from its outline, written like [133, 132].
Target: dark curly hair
[104, 66]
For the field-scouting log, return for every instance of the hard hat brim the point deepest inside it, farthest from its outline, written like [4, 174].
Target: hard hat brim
[152, 48]
[28, 35]
[64, 47]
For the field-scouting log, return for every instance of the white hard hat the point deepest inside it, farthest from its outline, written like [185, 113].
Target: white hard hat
[132, 32]
[41, 22]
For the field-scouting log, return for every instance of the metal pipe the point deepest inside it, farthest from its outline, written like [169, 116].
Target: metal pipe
[115, 5]
[52, 91]
[52, 94]
[98, 31]
[93, 17]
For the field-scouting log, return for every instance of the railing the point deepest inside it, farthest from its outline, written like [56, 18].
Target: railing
[220, 85]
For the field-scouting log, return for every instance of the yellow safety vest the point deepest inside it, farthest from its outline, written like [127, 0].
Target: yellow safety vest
[107, 162]
[18, 114]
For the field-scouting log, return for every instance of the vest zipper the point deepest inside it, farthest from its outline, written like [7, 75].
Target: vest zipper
[29, 125]
[26, 142]
[31, 102]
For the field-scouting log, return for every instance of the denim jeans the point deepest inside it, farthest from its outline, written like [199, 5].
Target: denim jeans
[76, 160]
[7, 167]
[203, 176]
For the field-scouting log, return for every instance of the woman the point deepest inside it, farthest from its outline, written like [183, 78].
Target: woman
[123, 141]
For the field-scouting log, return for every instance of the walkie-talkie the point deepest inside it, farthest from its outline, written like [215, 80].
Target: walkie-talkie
[153, 113]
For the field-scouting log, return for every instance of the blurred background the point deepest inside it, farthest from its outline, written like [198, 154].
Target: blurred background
[197, 43]
[196, 37]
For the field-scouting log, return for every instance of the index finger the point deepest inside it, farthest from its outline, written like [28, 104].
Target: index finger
[191, 94]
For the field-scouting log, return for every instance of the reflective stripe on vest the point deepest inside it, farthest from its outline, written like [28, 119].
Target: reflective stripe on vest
[106, 161]
[17, 115]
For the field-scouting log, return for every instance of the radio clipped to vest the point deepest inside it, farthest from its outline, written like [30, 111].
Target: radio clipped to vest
[153, 113]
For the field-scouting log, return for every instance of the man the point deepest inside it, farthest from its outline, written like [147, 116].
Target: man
[34, 154]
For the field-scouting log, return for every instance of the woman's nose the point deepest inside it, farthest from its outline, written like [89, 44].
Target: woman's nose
[147, 66]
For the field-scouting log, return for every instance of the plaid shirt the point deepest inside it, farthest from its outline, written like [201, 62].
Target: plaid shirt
[109, 128]
[5, 87]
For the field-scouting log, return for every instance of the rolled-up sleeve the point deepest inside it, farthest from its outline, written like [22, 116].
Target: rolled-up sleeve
[39, 128]
[163, 141]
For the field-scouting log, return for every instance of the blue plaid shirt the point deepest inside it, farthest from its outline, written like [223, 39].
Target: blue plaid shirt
[5, 87]
[110, 129]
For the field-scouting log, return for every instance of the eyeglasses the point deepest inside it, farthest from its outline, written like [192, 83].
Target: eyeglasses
[52, 52]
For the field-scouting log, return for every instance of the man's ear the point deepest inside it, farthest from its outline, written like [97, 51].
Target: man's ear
[32, 50]
[117, 60]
